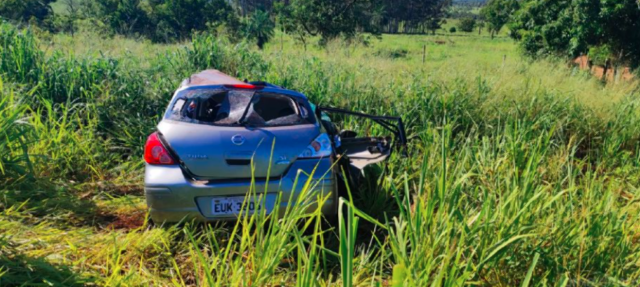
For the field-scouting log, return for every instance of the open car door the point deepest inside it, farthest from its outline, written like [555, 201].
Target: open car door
[363, 151]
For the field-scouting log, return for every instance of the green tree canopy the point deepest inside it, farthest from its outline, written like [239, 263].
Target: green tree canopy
[330, 18]
[25, 10]
[181, 17]
[259, 27]
[413, 15]
[467, 24]
[122, 16]
[571, 28]
[497, 13]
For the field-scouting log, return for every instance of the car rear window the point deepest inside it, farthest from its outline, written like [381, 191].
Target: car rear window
[239, 107]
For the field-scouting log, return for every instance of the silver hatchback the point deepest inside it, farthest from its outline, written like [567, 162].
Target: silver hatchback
[221, 137]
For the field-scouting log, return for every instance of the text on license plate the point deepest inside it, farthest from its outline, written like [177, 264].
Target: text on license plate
[233, 205]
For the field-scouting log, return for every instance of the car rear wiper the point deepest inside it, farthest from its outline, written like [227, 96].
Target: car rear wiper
[242, 121]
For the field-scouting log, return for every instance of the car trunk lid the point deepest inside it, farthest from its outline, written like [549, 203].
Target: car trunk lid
[214, 152]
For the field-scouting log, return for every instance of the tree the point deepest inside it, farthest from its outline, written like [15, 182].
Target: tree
[163, 20]
[571, 28]
[480, 25]
[330, 18]
[72, 8]
[436, 14]
[247, 7]
[434, 24]
[497, 13]
[467, 24]
[125, 17]
[413, 15]
[259, 27]
[25, 10]
[179, 18]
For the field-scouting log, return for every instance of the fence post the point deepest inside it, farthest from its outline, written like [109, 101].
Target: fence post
[424, 53]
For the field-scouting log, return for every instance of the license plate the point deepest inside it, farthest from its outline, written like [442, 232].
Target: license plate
[234, 205]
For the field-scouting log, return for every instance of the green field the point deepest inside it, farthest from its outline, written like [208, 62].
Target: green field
[520, 173]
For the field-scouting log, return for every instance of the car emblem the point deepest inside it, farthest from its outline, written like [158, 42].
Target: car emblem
[237, 140]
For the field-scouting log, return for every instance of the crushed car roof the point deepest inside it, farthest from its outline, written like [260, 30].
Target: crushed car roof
[210, 78]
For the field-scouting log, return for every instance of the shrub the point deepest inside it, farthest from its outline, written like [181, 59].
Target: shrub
[392, 53]
[600, 55]
[467, 24]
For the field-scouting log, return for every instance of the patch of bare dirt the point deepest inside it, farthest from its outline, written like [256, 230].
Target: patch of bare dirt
[126, 221]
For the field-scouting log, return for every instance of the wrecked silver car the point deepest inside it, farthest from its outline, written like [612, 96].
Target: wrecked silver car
[220, 136]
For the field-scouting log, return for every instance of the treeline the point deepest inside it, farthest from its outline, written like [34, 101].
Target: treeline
[175, 20]
[608, 31]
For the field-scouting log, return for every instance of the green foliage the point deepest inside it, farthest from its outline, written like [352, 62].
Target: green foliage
[126, 17]
[259, 27]
[84, 100]
[571, 28]
[328, 19]
[14, 158]
[67, 21]
[413, 16]
[467, 24]
[600, 55]
[452, 30]
[164, 21]
[501, 152]
[395, 53]
[480, 25]
[177, 19]
[497, 13]
[25, 10]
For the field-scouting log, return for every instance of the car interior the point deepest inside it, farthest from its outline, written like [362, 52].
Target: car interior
[222, 108]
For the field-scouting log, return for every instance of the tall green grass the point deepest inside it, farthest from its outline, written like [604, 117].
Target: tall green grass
[510, 182]
[15, 164]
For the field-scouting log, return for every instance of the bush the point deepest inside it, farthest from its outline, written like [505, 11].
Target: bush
[392, 53]
[467, 24]
[452, 30]
[600, 55]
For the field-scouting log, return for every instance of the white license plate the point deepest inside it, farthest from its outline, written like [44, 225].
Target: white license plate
[234, 205]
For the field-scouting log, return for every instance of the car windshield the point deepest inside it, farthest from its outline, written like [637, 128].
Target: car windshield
[238, 107]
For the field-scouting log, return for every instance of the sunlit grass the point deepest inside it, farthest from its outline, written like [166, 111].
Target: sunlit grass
[520, 173]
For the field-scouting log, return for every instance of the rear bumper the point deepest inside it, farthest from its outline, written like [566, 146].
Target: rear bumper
[173, 198]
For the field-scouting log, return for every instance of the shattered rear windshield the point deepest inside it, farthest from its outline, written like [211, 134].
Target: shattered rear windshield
[238, 108]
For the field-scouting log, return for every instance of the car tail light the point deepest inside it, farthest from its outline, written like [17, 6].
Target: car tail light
[320, 147]
[155, 153]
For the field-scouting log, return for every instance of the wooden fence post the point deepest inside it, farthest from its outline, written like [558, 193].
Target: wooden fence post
[424, 53]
